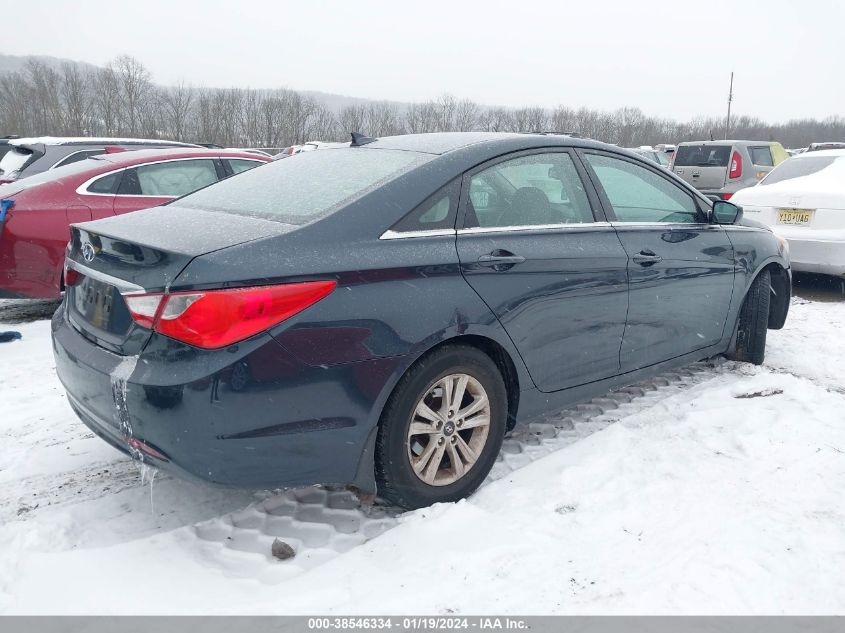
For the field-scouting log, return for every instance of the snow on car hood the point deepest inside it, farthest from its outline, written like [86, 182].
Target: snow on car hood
[822, 190]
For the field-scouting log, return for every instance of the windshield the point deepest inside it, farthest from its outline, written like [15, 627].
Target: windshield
[14, 160]
[702, 156]
[798, 167]
[304, 187]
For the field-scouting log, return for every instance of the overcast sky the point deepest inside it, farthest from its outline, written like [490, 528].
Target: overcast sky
[669, 58]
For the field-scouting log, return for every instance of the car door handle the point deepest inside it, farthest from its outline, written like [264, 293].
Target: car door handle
[647, 258]
[500, 258]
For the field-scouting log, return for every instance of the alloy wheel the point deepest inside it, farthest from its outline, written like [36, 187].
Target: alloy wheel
[449, 429]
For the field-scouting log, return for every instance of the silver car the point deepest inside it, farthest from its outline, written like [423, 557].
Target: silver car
[30, 156]
[719, 169]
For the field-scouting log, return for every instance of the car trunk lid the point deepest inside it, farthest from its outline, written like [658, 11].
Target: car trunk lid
[140, 253]
[703, 166]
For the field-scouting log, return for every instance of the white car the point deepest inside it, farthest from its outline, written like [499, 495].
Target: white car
[803, 201]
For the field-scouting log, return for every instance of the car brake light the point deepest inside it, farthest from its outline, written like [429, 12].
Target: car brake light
[212, 319]
[726, 196]
[113, 149]
[736, 165]
[71, 276]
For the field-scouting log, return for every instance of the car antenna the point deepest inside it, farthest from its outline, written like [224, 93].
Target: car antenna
[360, 139]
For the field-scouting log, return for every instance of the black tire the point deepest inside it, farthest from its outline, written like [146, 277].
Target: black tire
[753, 322]
[396, 480]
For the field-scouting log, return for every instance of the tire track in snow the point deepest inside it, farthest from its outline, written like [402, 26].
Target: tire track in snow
[21, 497]
[322, 522]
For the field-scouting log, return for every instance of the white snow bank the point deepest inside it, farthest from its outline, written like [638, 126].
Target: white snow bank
[725, 497]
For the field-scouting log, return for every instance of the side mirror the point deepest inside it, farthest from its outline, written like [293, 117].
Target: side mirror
[725, 212]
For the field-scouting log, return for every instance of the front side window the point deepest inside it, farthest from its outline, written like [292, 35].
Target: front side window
[639, 195]
[532, 190]
[176, 178]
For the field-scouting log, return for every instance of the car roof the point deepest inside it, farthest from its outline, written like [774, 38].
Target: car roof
[443, 142]
[821, 152]
[82, 140]
[136, 156]
[729, 142]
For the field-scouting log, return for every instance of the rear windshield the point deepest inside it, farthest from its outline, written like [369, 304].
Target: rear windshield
[702, 156]
[14, 160]
[61, 172]
[303, 187]
[798, 167]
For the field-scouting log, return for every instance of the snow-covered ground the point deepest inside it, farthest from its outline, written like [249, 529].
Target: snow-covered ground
[716, 489]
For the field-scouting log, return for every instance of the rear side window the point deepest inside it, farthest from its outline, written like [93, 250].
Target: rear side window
[761, 156]
[175, 178]
[242, 164]
[639, 195]
[703, 156]
[437, 212]
[78, 156]
[306, 186]
[107, 184]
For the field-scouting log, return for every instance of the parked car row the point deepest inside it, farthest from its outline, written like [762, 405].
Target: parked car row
[37, 210]
[381, 313]
[721, 168]
[801, 197]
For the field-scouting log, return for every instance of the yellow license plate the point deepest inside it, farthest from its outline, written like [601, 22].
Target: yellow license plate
[801, 217]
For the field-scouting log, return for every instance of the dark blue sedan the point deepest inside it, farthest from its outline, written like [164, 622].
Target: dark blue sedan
[381, 314]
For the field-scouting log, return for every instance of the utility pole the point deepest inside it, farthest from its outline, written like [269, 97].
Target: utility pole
[730, 98]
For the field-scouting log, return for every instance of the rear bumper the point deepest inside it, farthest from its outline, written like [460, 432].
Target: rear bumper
[822, 253]
[255, 418]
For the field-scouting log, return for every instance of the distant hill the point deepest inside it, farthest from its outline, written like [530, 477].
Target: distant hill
[16, 63]
[334, 102]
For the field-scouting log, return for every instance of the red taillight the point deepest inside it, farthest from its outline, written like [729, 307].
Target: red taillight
[726, 196]
[72, 276]
[736, 165]
[212, 319]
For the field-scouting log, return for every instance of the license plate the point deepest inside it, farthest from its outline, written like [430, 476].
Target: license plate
[92, 299]
[801, 217]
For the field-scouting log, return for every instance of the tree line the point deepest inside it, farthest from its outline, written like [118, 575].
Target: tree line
[121, 99]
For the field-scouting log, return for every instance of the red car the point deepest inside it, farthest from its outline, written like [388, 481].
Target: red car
[36, 212]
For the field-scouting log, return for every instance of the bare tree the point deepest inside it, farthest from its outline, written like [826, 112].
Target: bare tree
[121, 99]
[107, 100]
[76, 100]
[353, 118]
[466, 116]
[176, 103]
[134, 82]
[383, 119]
